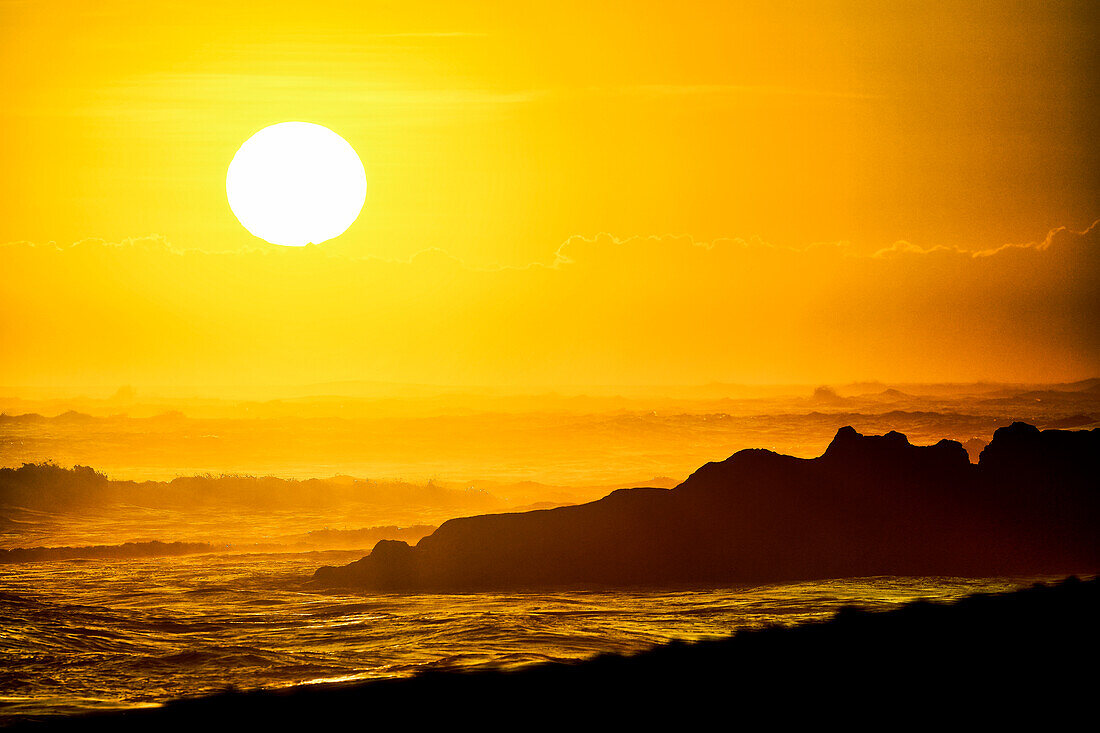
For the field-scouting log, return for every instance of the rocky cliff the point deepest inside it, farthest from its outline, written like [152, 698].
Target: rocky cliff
[870, 505]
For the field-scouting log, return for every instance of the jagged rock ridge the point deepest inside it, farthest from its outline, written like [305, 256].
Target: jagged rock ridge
[870, 505]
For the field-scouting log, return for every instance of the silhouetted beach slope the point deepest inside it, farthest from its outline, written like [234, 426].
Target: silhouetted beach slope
[1022, 656]
[870, 505]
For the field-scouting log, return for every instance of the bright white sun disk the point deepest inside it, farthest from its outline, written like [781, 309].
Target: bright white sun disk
[296, 183]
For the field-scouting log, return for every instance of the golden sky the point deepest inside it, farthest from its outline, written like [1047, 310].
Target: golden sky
[558, 193]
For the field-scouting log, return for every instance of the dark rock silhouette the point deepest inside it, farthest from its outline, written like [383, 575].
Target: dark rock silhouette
[870, 505]
[987, 660]
[47, 486]
[128, 550]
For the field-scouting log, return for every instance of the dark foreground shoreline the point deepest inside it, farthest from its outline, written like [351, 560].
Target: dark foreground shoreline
[1029, 655]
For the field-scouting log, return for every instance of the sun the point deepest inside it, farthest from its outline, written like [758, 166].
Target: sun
[296, 183]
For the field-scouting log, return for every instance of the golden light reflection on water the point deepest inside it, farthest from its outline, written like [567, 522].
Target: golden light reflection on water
[106, 634]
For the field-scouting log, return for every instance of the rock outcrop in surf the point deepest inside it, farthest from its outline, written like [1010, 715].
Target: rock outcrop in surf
[870, 505]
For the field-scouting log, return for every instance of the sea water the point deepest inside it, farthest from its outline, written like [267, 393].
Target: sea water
[95, 634]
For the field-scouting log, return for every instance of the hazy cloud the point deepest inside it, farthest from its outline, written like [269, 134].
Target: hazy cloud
[602, 310]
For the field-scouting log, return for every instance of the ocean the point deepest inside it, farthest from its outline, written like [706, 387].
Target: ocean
[80, 635]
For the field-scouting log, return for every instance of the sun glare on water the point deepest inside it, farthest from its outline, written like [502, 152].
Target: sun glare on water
[296, 183]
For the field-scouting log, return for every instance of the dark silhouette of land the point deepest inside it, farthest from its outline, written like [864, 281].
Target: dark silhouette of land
[870, 505]
[127, 550]
[47, 486]
[1022, 657]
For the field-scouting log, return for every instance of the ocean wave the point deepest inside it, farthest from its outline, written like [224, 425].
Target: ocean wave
[82, 637]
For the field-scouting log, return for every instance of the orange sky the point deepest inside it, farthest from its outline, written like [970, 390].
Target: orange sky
[676, 192]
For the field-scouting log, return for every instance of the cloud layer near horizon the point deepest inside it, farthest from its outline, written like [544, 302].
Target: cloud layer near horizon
[656, 310]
